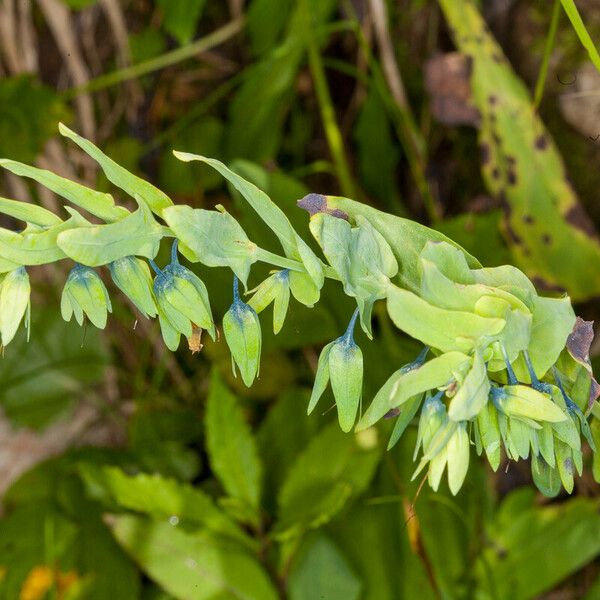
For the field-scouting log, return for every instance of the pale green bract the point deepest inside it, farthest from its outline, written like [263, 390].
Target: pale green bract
[503, 369]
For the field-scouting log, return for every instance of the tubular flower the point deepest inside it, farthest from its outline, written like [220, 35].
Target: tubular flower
[14, 304]
[341, 362]
[182, 302]
[243, 335]
[132, 276]
[85, 294]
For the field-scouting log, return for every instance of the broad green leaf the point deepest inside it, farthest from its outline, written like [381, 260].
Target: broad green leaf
[472, 395]
[333, 468]
[138, 234]
[39, 246]
[215, 237]
[30, 213]
[567, 534]
[403, 385]
[553, 321]
[119, 176]
[320, 570]
[405, 237]
[163, 498]
[293, 245]
[231, 447]
[192, 566]
[100, 204]
[443, 329]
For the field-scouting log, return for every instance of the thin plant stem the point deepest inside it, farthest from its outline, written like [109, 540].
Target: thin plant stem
[550, 39]
[332, 131]
[160, 62]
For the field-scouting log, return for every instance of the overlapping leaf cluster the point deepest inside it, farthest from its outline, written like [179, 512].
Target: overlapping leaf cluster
[501, 375]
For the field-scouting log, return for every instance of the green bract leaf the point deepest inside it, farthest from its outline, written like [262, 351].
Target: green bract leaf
[405, 237]
[293, 245]
[36, 246]
[472, 395]
[138, 234]
[100, 204]
[443, 329]
[119, 176]
[403, 385]
[216, 238]
[30, 213]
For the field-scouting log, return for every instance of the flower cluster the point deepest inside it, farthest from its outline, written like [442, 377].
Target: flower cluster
[503, 369]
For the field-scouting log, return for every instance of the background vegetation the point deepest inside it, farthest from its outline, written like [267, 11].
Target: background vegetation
[129, 472]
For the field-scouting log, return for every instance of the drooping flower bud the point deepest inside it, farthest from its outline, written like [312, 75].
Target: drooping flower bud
[85, 294]
[132, 276]
[14, 304]
[276, 289]
[243, 335]
[182, 302]
[341, 362]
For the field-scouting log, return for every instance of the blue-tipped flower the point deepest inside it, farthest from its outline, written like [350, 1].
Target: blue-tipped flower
[182, 302]
[132, 276]
[341, 361]
[276, 289]
[14, 303]
[85, 294]
[243, 335]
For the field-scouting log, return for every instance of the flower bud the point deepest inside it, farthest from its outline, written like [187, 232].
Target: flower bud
[132, 276]
[276, 289]
[342, 362]
[14, 303]
[182, 302]
[243, 335]
[85, 294]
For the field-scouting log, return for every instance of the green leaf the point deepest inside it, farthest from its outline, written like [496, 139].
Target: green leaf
[231, 448]
[472, 395]
[321, 377]
[523, 401]
[407, 412]
[579, 26]
[403, 385]
[122, 178]
[192, 567]
[30, 213]
[293, 245]
[37, 246]
[321, 571]
[100, 204]
[163, 499]
[567, 534]
[181, 17]
[138, 234]
[489, 434]
[443, 329]
[405, 237]
[333, 468]
[215, 237]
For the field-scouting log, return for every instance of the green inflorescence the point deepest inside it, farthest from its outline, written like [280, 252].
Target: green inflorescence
[503, 368]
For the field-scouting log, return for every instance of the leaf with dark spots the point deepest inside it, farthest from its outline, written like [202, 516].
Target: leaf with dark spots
[447, 79]
[579, 219]
[541, 143]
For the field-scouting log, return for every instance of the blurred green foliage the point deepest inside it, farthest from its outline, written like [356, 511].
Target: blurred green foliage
[218, 491]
